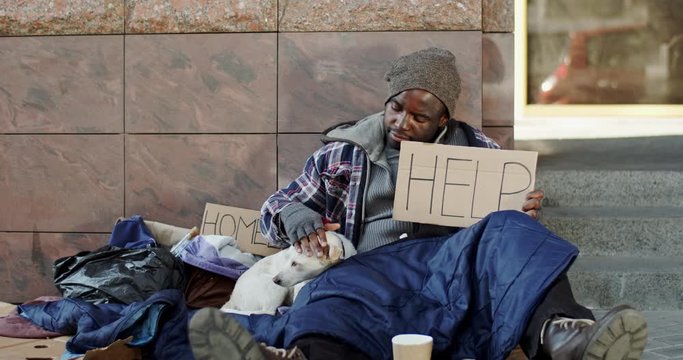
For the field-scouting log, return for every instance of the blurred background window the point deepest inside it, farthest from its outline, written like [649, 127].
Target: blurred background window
[605, 52]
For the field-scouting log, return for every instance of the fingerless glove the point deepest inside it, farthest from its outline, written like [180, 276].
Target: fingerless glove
[299, 221]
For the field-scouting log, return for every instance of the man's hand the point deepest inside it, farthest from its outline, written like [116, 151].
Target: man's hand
[532, 204]
[316, 241]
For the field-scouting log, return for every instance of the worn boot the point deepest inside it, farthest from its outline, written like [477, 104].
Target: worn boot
[215, 335]
[620, 334]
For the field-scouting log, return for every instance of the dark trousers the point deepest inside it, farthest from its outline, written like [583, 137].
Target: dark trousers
[559, 300]
[322, 347]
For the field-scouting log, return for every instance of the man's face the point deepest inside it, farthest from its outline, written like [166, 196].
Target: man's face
[414, 115]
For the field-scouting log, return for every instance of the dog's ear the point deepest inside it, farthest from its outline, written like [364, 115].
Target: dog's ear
[332, 226]
[335, 253]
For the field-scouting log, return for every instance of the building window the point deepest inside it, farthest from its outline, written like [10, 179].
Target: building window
[605, 57]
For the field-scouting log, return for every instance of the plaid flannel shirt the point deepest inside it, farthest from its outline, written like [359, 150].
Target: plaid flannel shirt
[332, 184]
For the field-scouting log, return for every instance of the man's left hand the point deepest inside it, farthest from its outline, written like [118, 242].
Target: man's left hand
[532, 204]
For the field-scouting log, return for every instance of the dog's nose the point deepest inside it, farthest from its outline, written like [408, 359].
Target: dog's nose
[277, 280]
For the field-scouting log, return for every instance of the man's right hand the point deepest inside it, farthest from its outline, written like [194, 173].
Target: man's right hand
[316, 242]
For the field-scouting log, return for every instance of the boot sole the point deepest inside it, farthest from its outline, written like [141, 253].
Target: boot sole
[216, 335]
[621, 335]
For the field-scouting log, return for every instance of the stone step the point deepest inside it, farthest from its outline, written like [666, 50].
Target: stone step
[645, 153]
[611, 187]
[637, 231]
[647, 283]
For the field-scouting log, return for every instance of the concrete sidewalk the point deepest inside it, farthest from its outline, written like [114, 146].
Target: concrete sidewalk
[665, 335]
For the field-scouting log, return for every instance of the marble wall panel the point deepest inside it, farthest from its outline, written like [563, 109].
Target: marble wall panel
[498, 15]
[60, 183]
[503, 135]
[201, 83]
[498, 79]
[379, 15]
[327, 78]
[50, 17]
[292, 152]
[26, 261]
[200, 16]
[61, 84]
[170, 178]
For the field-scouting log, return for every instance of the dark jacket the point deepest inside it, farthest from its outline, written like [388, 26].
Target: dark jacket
[158, 324]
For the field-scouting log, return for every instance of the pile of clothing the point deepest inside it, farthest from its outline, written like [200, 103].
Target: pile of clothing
[143, 286]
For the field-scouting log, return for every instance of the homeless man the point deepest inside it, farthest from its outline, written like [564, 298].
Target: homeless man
[479, 291]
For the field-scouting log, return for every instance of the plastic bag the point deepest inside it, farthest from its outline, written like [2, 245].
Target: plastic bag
[112, 274]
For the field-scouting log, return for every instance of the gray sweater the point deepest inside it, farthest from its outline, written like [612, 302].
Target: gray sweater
[379, 226]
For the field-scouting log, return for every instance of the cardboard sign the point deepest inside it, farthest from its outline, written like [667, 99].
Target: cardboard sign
[242, 224]
[459, 185]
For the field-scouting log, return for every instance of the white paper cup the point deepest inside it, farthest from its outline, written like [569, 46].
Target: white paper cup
[412, 347]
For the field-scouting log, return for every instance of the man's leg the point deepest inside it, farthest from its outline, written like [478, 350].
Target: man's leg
[215, 335]
[559, 300]
[321, 347]
[560, 328]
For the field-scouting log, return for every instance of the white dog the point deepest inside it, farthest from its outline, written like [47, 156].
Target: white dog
[276, 279]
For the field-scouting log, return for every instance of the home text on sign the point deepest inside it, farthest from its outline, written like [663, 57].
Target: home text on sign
[459, 185]
[242, 224]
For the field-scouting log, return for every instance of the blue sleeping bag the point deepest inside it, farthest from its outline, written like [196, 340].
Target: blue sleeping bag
[473, 291]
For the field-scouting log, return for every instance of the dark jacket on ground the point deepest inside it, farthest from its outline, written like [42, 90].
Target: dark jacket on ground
[158, 324]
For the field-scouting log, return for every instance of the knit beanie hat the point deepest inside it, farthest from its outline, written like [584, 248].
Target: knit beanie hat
[431, 69]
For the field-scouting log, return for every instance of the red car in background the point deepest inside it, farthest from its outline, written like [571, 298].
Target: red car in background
[600, 66]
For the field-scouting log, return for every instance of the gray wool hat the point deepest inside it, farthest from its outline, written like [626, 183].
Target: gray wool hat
[431, 69]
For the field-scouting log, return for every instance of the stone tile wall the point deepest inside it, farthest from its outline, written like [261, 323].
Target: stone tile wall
[121, 107]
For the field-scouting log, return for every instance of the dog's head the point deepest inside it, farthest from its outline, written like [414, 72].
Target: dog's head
[302, 267]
